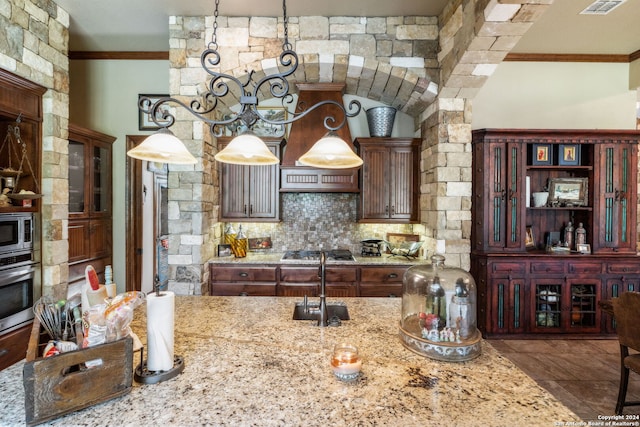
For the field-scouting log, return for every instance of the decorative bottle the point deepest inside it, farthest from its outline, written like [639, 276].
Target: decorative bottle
[241, 244]
[229, 235]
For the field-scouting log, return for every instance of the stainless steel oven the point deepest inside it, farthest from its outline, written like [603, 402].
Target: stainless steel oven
[16, 296]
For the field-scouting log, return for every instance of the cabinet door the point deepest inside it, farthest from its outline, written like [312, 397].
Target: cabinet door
[250, 191]
[404, 183]
[613, 287]
[375, 183]
[100, 203]
[547, 307]
[78, 176]
[505, 196]
[615, 195]
[100, 238]
[506, 313]
[235, 191]
[582, 305]
[263, 190]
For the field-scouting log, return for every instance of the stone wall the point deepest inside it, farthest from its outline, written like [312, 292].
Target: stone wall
[389, 59]
[34, 45]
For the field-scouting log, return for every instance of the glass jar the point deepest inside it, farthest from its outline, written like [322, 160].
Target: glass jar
[439, 312]
[241, 244]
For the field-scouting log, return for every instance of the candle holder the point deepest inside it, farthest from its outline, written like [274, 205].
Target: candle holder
[346, 362]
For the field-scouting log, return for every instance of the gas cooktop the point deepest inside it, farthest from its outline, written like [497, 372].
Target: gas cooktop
[333, 255]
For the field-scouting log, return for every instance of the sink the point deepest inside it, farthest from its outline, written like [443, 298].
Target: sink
[333, 309]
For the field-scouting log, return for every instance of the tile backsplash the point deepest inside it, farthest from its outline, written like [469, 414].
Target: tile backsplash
[321, 220]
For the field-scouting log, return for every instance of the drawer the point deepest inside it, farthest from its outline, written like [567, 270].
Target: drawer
[300, 274]
[243, 274]
[585, 267]
[312, 274]
[623, 268]
[243, 289]
[547, 267]
[508, 267]
[382, 274]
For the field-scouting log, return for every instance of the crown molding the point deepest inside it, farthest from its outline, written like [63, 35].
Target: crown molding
[571, 57]
[142, 56]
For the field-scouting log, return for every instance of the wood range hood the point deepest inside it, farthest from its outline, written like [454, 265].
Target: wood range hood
[307, 131]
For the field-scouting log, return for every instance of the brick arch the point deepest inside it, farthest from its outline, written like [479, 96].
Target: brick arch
[400, 87]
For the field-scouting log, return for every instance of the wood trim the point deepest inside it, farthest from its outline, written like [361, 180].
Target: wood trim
[134, 198]
[635, 55]
[567, 57]
[137, 55]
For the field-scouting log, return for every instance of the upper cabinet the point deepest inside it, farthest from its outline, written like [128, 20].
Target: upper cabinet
[20, 153]
[90, 194]
[390, 178]
[590, 177]
[250, 193]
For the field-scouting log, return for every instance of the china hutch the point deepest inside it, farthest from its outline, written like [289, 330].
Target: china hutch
[90, 221]
[533, 278]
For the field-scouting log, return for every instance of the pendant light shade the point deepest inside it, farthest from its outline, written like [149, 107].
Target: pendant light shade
[331, 152]
[163, 147]
[247, 149]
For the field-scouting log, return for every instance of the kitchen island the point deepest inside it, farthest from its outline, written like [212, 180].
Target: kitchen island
[248, 363]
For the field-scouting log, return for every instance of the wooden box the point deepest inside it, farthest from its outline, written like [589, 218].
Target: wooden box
[61, 384]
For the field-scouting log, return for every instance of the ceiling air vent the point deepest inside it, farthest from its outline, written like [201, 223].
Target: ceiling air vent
[601, 7]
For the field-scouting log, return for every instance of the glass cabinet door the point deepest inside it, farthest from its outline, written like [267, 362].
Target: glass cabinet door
[101, 180]
[77, 177]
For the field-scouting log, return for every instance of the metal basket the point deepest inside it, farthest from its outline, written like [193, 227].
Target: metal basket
[380, 121]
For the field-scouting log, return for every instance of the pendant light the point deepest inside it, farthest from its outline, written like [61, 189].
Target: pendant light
[331, 152]
[246, 149]
[163, 147]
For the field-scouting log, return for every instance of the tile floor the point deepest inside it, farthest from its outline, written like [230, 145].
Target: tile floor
[582, 374]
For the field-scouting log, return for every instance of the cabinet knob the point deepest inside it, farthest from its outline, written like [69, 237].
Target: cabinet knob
[244, 294]
[243, 274]
[392, 275]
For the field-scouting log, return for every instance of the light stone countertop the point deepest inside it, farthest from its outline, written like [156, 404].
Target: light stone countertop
[269, 257]
[249, 364]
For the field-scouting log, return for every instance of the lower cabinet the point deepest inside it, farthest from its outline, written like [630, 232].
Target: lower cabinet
[301, 280]
[381, 281]
[13, 346]
[550, 296]
[249, 280]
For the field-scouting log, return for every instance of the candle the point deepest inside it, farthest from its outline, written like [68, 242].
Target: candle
[346, 362]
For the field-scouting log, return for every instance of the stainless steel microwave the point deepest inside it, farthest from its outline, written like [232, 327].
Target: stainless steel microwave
[16, 232]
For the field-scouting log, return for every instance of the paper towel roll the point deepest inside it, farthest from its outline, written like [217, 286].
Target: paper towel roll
[160, 325]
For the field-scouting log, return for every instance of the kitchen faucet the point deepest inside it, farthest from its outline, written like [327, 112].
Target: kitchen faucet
[321, 312]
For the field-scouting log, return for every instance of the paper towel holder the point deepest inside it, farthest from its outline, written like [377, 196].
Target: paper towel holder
[142, 374]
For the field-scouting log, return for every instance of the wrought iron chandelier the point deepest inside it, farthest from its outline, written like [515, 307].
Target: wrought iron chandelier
[245, 149]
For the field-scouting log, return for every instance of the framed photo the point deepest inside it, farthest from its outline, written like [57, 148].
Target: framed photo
[542, 155]
[568, 191]
[144, 119]
[529, 240]
[258, 243]
[569, 154]
[583, 248]
[224, 250]
[262, 128]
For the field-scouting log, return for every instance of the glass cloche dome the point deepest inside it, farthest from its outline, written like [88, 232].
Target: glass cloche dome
[439, 312]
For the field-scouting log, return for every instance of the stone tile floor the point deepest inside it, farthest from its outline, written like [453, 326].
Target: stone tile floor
[582, 374]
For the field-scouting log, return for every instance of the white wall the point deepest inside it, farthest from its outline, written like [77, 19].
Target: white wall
[104, 97]
[556, 95]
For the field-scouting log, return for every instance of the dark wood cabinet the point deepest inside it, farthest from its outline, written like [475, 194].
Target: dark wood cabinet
[299, 280]
[250, 192]
[525, 287]
[390, 177]
[247, 280]
[13, 346]
[90, 196]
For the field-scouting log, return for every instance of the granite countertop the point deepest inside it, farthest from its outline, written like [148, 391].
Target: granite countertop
[248, 363]
[269, 257]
